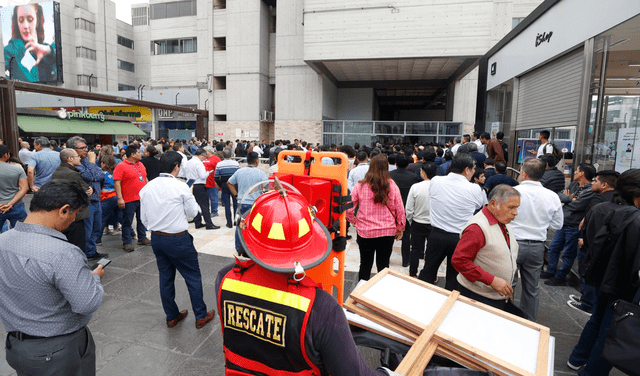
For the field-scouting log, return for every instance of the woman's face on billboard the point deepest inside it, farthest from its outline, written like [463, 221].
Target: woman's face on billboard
[27, 20]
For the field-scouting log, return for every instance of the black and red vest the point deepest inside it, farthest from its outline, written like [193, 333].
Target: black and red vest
[264, 318]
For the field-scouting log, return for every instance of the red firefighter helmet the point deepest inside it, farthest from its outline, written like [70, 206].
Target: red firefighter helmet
[281, 230]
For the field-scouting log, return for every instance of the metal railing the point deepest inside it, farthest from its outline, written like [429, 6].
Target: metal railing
[365, 132]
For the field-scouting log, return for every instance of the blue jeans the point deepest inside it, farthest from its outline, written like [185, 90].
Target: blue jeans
[243, 209]
[226, 196]
[93, 228]
[566, 241]
[17, 213]
[213, 197]
[588, 351]
[111, 214]
[178, 252]
[130, 209]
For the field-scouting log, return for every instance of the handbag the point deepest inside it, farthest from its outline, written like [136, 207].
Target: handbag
[622, 346]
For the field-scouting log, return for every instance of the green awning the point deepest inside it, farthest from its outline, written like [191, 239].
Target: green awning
[49, 124]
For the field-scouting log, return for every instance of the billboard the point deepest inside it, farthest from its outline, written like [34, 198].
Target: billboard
[31, 38]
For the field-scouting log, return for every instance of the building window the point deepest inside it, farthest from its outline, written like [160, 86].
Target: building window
[219, 4]
[83, 80]
[516, 21]
[82, 24]
[125, 65]
[174, 46]
[219, 44]
[86, 53]
[219, 82]
[173, 9]
[124, 87]
[140, 16]
[125, 42]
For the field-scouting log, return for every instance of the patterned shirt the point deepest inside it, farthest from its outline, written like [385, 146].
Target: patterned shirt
[46, 287]
[375, 220]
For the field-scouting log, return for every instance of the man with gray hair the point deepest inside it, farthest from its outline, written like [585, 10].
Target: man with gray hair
[540, 209]
[487, 251]
[42, 163]
[94, 177]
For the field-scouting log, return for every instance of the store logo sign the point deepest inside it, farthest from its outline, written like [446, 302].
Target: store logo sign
[63, 114]
[165, 114]
[544, 37]
[493, 69]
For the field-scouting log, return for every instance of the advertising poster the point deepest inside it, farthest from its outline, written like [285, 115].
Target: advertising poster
[31, 38]
[627, 153]
[140, 113]
[495, 128]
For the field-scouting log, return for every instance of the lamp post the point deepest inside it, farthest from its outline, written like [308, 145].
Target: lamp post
[177, 98]
[90, 76]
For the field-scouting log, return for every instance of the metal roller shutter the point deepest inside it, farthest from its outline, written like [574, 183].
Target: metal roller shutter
[550, 95]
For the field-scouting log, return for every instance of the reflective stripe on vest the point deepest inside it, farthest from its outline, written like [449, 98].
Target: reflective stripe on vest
[264, 317]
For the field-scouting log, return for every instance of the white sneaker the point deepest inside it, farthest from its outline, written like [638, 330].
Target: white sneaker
[575, 298]
[575, 368]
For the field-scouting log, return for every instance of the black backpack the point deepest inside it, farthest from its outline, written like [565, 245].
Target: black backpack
[505, 151]
[556, 152]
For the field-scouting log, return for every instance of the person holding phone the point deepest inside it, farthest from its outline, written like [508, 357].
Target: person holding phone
[46, 304]
[26, 56]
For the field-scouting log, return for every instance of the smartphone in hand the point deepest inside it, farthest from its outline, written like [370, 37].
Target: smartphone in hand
[104, 262]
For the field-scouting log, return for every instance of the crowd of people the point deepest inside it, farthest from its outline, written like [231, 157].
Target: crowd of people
[455, 202]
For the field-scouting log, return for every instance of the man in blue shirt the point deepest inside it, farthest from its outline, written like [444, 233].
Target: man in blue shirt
[499, 178]
[42, 163]
[245, 178]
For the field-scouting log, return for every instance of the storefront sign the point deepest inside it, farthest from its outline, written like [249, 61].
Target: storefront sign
[544, 37]
[140, 113]
[165, 114]
[63, 114]
[493, 69]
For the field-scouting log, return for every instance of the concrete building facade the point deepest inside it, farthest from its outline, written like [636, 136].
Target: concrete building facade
[269, 70]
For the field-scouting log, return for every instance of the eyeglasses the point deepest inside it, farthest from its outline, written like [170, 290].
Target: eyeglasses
[83, 148]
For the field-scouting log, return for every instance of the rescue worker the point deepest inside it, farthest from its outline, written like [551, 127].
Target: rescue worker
[275, 320]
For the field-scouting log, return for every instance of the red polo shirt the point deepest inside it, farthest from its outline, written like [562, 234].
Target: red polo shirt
[210, 165]
[133, 178]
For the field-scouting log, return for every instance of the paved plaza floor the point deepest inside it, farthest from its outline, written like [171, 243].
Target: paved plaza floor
[132, 338]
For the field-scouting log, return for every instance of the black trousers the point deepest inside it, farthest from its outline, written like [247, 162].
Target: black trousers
[406, 244]
[500, 304]
[441, 244]
[202, 198]
[380, 248]
[419, 234]
[75, 234]
[73, 354]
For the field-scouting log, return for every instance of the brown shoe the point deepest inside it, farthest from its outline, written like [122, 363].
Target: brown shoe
[144, 241]
[203, 321]
[128, 247]
[180, 317]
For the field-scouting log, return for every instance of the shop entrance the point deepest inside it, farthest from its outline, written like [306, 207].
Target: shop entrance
[613, 134]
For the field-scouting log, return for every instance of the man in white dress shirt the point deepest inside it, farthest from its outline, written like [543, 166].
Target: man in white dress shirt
[171, 242]
[197, 173]
[358, 172]
[540, 209]
[417, 213]
[454, 201]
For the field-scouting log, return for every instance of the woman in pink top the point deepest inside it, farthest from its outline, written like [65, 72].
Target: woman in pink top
[380, 216]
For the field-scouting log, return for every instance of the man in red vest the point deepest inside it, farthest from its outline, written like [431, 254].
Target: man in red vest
[275, 320]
